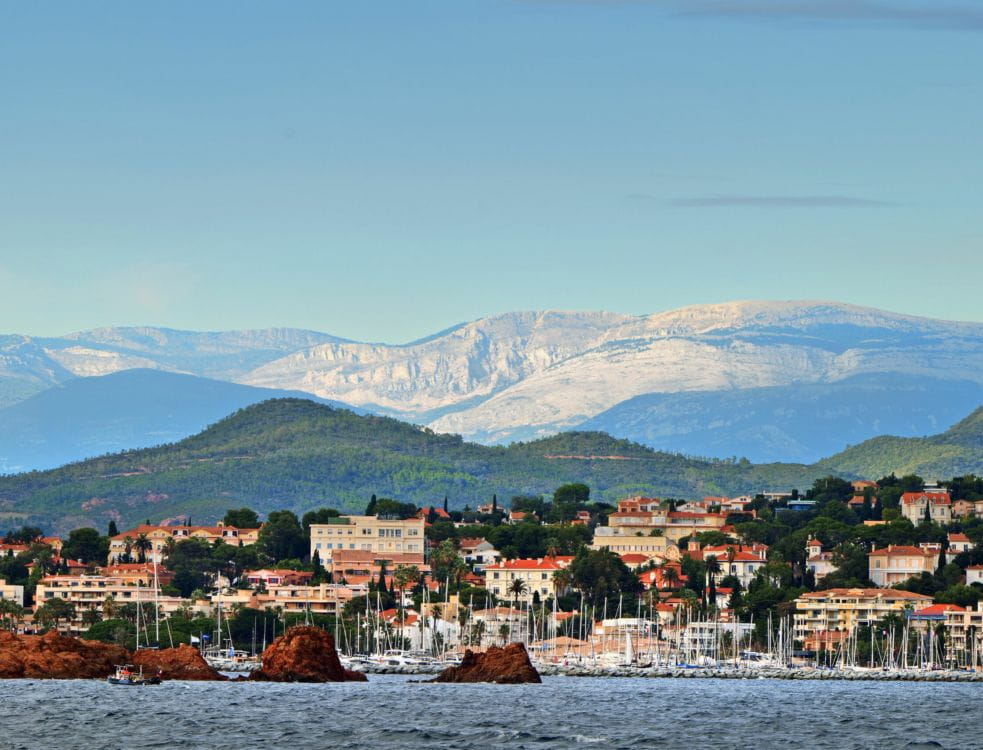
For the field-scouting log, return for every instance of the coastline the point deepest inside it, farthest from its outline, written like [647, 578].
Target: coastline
[719, 673]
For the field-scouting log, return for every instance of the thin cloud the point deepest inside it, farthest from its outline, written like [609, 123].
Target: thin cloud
[926, 15]
[777, 201]
[917, 14]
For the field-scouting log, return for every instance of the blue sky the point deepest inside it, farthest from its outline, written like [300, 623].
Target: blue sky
[381, 170]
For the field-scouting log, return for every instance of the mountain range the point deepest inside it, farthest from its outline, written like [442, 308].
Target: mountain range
[790, 381]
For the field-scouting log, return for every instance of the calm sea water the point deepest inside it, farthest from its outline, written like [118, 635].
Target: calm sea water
[393, 712]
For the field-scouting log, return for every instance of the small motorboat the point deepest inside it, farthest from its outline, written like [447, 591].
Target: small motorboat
[127, 674]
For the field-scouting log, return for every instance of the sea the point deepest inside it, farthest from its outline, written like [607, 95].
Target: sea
[393, 711]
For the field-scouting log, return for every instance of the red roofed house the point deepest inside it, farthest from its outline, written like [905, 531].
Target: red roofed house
[657, 578]
[958, 542]
[897, 563]
[928, 617]
[740, 560]
[913, 506]
[974, 574]
[478, 553]
[820, 563]
[538, 576]
[439, 513]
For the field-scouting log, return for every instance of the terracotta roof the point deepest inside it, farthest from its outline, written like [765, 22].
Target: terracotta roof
[901, 549]
[543, 563]
[939, 609]
[865, 594]
[936, 498]
[959, 537]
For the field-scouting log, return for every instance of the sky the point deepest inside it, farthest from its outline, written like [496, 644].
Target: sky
[383, 170]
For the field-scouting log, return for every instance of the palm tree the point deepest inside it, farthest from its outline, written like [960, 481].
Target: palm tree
[109, 608]
[143, 545]
[517, 588]
[403, 576]
[503, 631]
[670, 576]
[128, 548]
[562, 580]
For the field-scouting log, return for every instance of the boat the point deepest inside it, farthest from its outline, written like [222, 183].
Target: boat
[127, 674]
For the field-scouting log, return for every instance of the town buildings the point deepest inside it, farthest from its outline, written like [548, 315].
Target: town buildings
[913, 505]
[379, 534]
[478, 553]
[897, 563]
[845, 609]
[127, 546]
[538, 577]
[818, 562]
[11, 593]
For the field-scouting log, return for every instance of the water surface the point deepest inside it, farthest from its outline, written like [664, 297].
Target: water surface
[394, 712]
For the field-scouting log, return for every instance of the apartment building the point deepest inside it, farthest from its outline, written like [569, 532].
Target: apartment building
[538, 576]
[320, 599]
[11, 593]
[103, 593]
[378, 534]
[125, 546]
[897, 563]
[845, 609]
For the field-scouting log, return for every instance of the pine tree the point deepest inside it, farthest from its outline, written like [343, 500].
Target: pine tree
[113, 530]
[370, 508]
[928, 511]
[494, 503]
[318, 568]
[445, 504]
[382, 578]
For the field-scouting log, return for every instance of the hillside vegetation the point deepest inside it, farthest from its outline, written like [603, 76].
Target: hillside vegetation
[955, 452]
[296, 454]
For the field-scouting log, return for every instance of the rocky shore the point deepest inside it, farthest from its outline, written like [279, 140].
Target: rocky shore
[720, 673]
[304, 654]
[503, 666]
[53, 656]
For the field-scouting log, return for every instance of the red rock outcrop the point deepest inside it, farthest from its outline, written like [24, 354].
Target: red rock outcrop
[182, 663]
[505, 666]
[303, 654]
[55, 656]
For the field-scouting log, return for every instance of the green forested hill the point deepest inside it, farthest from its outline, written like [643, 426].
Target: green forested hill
[955, 452]
[296, 454]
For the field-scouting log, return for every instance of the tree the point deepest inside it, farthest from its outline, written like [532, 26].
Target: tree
[670, 576]
[602, 575]
[54, 611]
[243, 518]
[282, 536]
[713, 569]
[321, 515]
[91, 616]
[517, 588]
[403, 576]
[113, 530]
[143, 545]
[370, 508]
[85, 545]
[11, 613]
